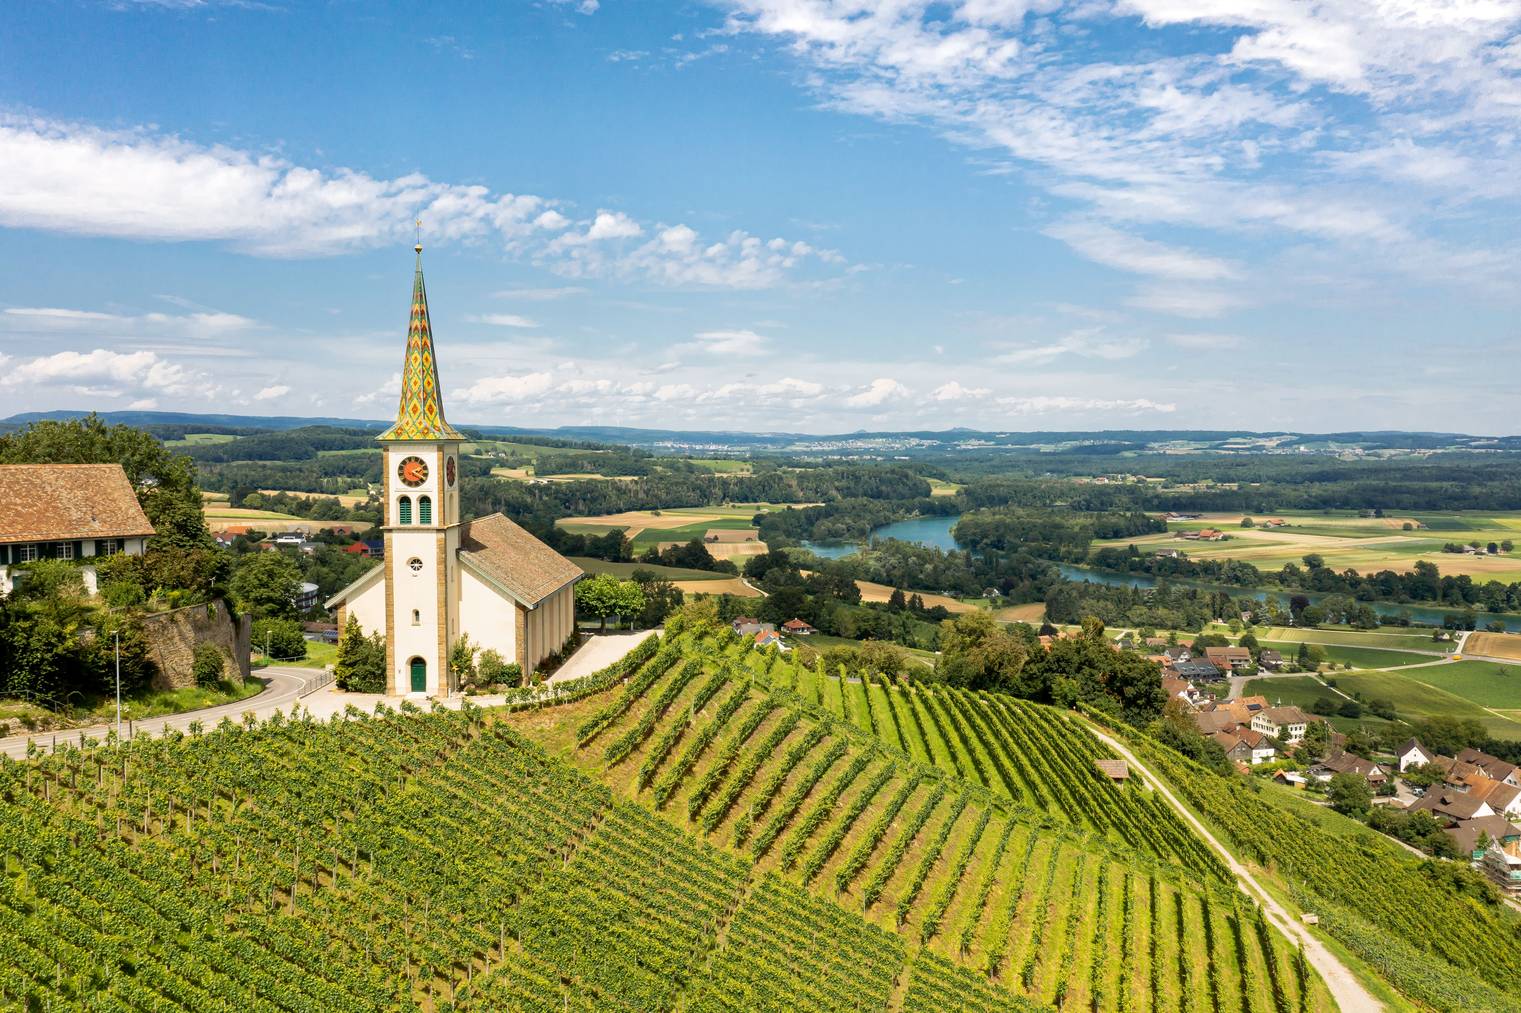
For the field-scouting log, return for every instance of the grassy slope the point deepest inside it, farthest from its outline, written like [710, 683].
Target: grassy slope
[902, 856]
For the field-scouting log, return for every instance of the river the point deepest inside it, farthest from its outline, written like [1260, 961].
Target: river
[936, 531]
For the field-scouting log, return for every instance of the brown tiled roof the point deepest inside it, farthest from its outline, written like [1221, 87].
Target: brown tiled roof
[58, 502]
[1466, 833]
[1452, 804]
[1116, 769]
[530, 570]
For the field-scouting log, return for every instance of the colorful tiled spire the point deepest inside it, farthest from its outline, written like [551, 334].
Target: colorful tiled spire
[421, 414]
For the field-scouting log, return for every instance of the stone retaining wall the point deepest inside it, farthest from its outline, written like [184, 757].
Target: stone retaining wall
[173, 636]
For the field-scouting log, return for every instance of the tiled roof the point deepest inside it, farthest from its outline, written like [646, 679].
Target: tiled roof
[58, 502]
[420, 416]
[530, 570]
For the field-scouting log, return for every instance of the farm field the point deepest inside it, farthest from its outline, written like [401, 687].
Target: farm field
[1493, 645]
[872, 591]
[1399, 637]
[345, 499]
[826, 787]
[675, 524]
[1347, 541]
[199, 440]
[625, 570]
[1302, 691]
[219, 517]
[725, 585]
[1032, 613]
[1358, 657]
[1486, 683]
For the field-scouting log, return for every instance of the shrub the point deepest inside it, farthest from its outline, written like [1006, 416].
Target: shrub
[208, 665]
[493, 670]
[361, 663]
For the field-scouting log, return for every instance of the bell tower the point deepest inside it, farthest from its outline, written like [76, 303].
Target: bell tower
[420, 475]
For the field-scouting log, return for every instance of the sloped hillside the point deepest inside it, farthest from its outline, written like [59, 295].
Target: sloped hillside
[740, 849]
[1031, 877]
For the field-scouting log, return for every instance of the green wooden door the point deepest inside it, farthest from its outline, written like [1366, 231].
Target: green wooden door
[419, 675]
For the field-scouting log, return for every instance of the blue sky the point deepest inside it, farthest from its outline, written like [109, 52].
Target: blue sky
[811, 215]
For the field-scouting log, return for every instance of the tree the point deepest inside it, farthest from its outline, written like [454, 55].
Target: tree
[462, 661]
[604, 595]
[1350, 709]
[361, 663]
[977, 653]
[1247, 522]
[661, 597]
[877, 657]
[1317, 738]
[266, 584]
[493, 670]
[1448, 735]
[1350, 795]
[281, 638]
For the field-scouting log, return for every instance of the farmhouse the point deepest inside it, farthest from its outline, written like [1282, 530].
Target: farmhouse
[1242, 745]
[1287, 724]
[67, 511]
[1269, 660]
[1491, 766]
[1229, 659]
[798, 628]
[1340, 762]
[445, 578]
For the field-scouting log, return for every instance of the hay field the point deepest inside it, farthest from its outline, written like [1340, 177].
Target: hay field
[1346, 541]
[1494, 645]
[220, 518]
[874, 592]
[344, 499]
[728, 585]
[1033, 613]
[726, 550]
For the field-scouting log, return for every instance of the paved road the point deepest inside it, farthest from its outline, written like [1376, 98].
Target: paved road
[285, 687]
[597, 653]
[1349, 993]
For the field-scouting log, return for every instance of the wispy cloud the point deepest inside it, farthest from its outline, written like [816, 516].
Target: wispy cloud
[501, 320]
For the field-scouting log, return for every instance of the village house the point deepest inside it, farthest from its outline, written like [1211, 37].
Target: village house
[1286, 724]
[1491, 766]
[1269, 660]
[798, 628]
[749, 626]
[1341, 762]
[1291, 779]
[75, 512]
[1198, 671]
[1181, 689]
[1229, 659]
[1176, 653]
[1412, 754]
[1451, 806]
[1243, 745]
[1169, 553]
[1503, 798]
[769, 638]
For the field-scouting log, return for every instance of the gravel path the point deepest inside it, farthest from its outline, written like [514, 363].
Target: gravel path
[1349, 993]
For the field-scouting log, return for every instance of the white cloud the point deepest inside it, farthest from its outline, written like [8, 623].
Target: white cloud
[953, 391]
[878, 392]
[506, 389]
[1086, 342]
[272, 391]
[1113, 248]
[105, 373]
[1047, 404]
[1184, 301]
[501, 320]
[204, 325]
[390, 389]
[138, 184]
[539, 294]
[746, 343]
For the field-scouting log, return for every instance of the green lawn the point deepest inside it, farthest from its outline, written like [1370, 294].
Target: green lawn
[1360, 657]
[1302, 692]
[1416, 699]
[627, 569]
[687, 532]
[1486, 683]
[1385, 636]
[721, 465]
[199, 440]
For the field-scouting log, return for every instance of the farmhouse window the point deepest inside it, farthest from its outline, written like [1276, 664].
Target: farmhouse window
[26, 553]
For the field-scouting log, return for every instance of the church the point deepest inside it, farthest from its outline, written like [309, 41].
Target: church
[444, 578]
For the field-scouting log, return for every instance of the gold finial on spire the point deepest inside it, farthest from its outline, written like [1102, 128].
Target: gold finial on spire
[418, 247]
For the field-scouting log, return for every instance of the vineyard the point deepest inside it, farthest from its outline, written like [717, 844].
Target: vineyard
[996, 867]
[741, 847]
[1379, 901]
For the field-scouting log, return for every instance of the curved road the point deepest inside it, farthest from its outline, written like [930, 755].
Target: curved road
[285, 686]
[1349, 993]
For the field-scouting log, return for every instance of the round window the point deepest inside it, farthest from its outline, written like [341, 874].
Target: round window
[415, 564]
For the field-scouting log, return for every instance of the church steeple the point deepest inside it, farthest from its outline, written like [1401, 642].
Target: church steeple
[420, 415]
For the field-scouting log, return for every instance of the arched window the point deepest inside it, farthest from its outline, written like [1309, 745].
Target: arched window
[416, 617]
[425, 510]
[404, 510]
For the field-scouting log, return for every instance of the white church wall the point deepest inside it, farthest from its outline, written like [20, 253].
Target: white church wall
[415, 601]
[487, 617]
[369, 608]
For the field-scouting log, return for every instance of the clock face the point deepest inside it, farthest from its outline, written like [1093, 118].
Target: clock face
[449, 470]
[412, 472]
